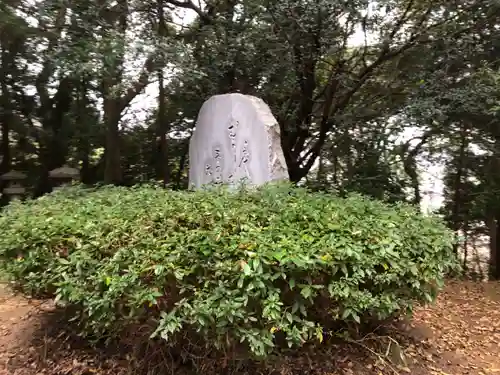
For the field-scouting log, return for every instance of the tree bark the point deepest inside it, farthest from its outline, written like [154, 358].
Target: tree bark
[494, 270]
[112, 165]
[84, 144]
[5, 120]
[5, 113]
[54, 143]
[493, 227]
[162, 128]
[53, 149]
[115, 19]
[494, 261]
[457, 185]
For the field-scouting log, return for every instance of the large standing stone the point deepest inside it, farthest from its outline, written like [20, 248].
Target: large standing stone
[236, 138]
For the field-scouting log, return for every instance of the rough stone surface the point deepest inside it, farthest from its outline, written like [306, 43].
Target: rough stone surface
[13, 176]
[236, 139]
[65, 172]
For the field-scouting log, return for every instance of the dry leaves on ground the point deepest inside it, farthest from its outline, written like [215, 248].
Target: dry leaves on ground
[458, 335]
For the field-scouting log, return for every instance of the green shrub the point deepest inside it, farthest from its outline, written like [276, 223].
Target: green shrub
[260, 267]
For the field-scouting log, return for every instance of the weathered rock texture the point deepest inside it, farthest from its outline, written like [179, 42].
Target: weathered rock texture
[236, 139]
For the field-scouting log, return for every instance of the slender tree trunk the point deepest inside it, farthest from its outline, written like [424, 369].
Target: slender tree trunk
[493, 213]
[457, 203]
[112, 166]
[162, 156]
[5, 147]
[493, 225]
[5, 164]
[409, 157]
[182, 163]
[494, 262]
[466, 243]
[321, 177]
[83, 123]
[54, 146]
[5, 119]
[410, 167]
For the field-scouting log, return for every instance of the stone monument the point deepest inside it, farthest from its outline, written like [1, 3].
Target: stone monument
[236, 139]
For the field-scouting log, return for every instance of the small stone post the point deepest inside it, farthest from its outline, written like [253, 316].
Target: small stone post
[14, 188]
[63, 176]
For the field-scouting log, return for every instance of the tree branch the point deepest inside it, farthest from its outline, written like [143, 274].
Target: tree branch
[151, 64]
[188, 4]
[48, 67]
[385, 54]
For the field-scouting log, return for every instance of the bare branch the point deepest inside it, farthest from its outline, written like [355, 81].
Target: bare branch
[137, 87]
[151, 63]
[188, 4]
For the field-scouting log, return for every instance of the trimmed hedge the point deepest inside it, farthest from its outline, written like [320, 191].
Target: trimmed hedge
[252, 267]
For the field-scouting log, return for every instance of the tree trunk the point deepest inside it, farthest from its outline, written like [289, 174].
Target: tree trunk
[5, 119]
[113, 102]
[466, 243]
[5, 147]
[54, 145]
[112, 165]
[494, 261]
[457, 204]
[321, 177]
[494, 231]
[162, 157]
[83, 122]
[410, 167]
[182, 164]
[5, 163]
[493, 208]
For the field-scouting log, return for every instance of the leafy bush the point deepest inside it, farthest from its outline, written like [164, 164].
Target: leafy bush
[273, 265]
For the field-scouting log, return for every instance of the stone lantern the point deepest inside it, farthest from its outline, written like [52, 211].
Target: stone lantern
[63, 176]
[14, 184]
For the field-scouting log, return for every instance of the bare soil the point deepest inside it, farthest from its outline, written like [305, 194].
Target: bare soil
[460, 334]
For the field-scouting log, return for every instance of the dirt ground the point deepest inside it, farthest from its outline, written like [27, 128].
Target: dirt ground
[460, 334]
